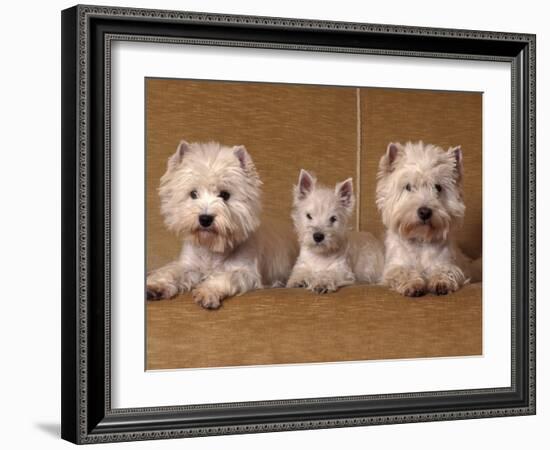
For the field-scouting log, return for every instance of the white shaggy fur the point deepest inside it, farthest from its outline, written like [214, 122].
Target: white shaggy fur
[337, 257]
[419, 195]
[231, 255]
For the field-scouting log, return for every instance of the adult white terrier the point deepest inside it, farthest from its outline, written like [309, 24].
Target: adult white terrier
[420, 197]
[331, 256]
[210, 195]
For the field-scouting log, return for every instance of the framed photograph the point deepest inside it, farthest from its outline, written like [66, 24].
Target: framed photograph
[280, 224]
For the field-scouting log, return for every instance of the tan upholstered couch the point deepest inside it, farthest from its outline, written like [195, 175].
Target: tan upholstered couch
[336, 132]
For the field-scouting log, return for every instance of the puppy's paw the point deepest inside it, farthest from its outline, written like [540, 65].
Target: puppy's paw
[413, 288]
[296, 284]
[442, 286]
[207, 298]
[323, 287]
[158, 290]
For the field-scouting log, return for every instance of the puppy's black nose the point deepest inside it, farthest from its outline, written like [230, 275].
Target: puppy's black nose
[424, 213]
[206, 220]
[318, 237]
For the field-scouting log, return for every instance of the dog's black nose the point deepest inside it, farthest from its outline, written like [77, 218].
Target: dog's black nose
[206, 220]
[318, 237]
[424, 213]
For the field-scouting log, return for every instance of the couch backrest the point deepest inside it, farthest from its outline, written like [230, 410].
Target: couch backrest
[335, 132]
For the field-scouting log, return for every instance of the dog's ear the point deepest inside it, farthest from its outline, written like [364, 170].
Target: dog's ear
[344, 193]
[176, 158]
[393, 153]
[456, 153]
[306, 183]
[245, 160]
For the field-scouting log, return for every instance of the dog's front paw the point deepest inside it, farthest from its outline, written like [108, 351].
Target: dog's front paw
[157, 290]
[442, 286]
[413, 288]
[323, 287]
[207, 298]
[297, 284]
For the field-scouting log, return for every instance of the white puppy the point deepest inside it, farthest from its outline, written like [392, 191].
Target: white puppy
[419, 195]
[331, 256]
[210, 196]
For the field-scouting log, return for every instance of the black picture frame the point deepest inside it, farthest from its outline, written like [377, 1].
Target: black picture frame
[87, 33]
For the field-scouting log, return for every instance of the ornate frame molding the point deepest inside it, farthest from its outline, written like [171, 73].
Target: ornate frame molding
[85, 30]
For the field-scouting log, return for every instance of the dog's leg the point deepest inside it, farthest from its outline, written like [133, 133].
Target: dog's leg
[300, 277]
[330, 281]
[405, 280]
[221, 285]
[170, 280]
[443, 280]
[321, 282]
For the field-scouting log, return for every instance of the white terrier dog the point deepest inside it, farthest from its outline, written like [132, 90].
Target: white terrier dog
[210, 195]
[330, 255]
[419, 195]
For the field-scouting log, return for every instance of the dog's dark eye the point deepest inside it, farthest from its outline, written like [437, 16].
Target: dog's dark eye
[194, 195]
[333, 219]
[308, 215]
[224, 195]
[438, 187]
[408, 187]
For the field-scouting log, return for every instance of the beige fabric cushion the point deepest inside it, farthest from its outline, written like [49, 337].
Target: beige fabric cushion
[279, 326]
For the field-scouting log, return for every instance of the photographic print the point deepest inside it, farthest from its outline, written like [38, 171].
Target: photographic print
[294, 223]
